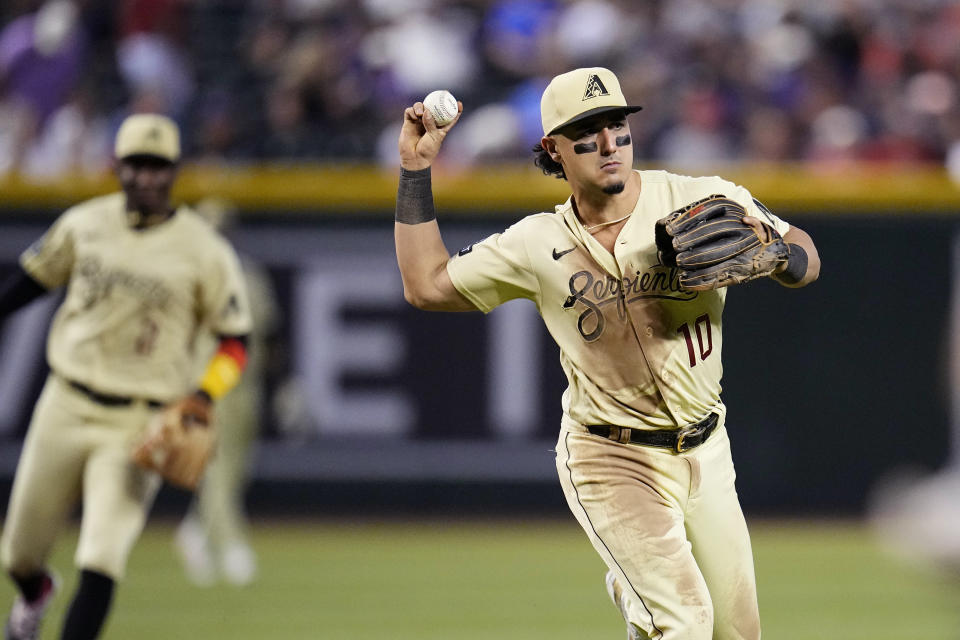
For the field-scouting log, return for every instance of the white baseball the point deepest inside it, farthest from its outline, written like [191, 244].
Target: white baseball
[442, 105]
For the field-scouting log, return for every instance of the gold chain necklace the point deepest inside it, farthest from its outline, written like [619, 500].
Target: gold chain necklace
[606, 224]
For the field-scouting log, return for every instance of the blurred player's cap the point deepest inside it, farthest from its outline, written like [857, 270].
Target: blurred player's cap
[578, 94]
[148, 134]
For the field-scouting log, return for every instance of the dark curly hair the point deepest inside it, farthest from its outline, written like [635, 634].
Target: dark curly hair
[548, 165]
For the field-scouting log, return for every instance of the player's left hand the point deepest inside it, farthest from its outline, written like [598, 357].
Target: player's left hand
[715, 244]
[421, 138]
[178, 441]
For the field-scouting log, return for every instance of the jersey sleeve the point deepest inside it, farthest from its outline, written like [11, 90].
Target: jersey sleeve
[758, 210]
[495, 270]
[224, 301]
[49, 260]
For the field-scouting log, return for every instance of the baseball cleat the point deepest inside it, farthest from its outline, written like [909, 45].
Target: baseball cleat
[25, 617]
[193, 547]
[615, 591]
[238, 564]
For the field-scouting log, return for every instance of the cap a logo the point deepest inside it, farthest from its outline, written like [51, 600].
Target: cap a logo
[153, 134]
[232, 307]
[594, 88]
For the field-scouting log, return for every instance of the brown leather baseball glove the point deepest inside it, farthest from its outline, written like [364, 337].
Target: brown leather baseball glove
[712, 245]
[178, 441]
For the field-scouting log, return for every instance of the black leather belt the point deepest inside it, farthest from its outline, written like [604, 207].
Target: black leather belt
[679, 440]
[108, 400]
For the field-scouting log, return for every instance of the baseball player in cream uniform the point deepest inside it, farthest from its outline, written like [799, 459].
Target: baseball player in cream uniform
[643, 455]
[142, 280]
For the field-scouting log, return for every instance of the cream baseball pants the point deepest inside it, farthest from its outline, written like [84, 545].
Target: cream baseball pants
[78, 451]
[670, 527]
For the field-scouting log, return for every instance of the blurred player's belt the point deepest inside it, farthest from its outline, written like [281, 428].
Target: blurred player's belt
[679, 440]
[110, 400]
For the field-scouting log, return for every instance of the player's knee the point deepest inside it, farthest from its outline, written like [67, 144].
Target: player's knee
[746, 628]
[696, 623]
[740, 621]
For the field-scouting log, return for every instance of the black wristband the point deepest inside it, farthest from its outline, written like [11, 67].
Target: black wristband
[796, 266]
[414, 197]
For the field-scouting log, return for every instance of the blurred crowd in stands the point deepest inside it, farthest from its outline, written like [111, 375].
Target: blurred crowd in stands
[327, 80]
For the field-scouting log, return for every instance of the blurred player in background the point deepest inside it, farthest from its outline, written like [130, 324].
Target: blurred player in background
[916, 514]
[643, 454]
[212, 539]
[142, 280]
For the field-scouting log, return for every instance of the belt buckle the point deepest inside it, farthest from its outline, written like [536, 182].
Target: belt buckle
[619, 434]
[691, 430]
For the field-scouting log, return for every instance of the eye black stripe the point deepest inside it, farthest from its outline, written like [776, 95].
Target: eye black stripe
[585, 147]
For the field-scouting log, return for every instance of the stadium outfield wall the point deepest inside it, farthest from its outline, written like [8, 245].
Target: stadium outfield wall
[830, 389]
[365, 191]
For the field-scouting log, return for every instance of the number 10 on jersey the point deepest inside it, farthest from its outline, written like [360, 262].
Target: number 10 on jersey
[704, 346]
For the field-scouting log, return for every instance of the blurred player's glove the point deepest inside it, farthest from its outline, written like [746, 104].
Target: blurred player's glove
[713, 247]
[178, 441]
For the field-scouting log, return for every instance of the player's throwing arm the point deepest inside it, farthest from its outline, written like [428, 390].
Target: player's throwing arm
[421, 254]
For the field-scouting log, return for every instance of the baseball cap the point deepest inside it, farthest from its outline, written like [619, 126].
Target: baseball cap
[148, 134]
[579, 94]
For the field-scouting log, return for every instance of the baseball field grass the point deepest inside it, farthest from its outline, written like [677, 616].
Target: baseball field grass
[500, 580]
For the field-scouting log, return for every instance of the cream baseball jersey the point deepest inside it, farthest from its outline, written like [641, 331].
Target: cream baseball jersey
[638, 350]
[136, 298]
